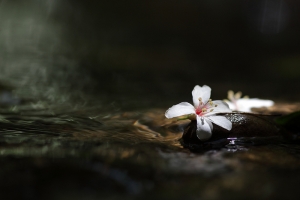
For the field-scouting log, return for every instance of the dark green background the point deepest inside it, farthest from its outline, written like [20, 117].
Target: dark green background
[133, 51]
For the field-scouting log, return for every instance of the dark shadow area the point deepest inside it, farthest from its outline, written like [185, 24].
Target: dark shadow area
[151, 49]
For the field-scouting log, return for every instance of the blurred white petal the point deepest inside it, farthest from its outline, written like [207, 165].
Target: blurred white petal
[245, 105]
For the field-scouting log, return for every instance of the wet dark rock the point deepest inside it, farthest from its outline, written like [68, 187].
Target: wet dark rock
[247, 128]
[291, 121]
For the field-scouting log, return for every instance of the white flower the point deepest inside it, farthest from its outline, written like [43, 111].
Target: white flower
[245, 104]
[204, 111]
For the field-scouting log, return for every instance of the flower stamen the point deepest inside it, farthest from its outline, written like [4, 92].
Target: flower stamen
[200, 101]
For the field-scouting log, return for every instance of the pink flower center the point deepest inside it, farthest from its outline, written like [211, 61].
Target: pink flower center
[204, 109]
[198, 111]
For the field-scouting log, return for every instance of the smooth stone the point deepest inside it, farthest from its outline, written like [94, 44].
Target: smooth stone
[247, 127]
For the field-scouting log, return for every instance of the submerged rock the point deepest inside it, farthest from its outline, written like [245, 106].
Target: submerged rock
[247, 128]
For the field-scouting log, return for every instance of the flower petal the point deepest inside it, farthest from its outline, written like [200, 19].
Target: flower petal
[204, 128]
[221, 121]
[180, 109]
[230, 105]
[245, 105]
[230, 95]
[222, 107]
[203, 92]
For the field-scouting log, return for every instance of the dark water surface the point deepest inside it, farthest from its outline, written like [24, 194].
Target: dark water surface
[92, 154]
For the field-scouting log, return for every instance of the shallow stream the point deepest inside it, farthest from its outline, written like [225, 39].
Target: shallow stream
[90, 154]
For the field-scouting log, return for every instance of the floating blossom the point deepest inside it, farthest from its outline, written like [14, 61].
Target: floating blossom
[245, 104]
[204, 111]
